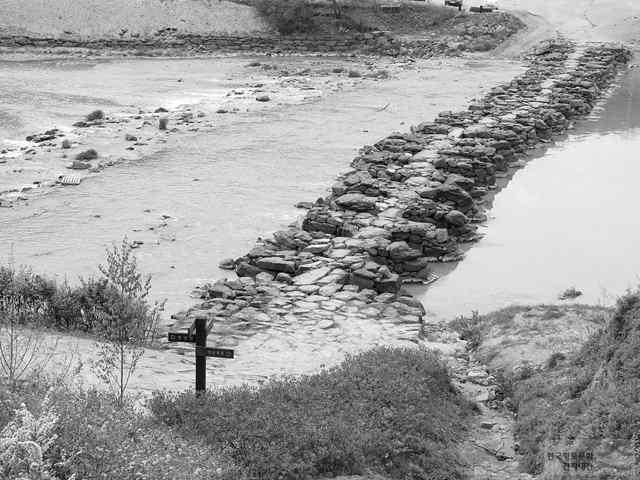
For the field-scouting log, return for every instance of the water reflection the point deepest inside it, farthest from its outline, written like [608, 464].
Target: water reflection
[566, 219]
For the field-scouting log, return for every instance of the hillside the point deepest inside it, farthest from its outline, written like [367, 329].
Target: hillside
[588, 402]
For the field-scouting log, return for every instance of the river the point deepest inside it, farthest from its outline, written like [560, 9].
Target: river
[219, 191]
[566, 219]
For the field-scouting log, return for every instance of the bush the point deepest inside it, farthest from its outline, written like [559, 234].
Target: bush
[25, 443]
[555, 359]
[90, 154]
[95, 115]
[388, 410]
[62, 306]
[288, 16]
[98, 439]
[469, 329]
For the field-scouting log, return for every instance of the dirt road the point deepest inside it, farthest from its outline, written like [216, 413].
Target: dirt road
[584, 20]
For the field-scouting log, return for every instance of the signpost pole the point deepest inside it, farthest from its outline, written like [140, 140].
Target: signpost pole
[197, 333]
[201, 358]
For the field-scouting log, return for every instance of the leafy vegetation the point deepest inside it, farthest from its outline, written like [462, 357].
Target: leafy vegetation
[86, 435]
[20, 342]
[392, 411]
[288, 16]
[114, 308]
[126, 321]
[59, 305]
[339, 16]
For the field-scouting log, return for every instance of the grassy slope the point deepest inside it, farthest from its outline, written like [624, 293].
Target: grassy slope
[390, 411]
[588, 402]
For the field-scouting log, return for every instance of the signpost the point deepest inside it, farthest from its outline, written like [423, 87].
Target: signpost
[197, 334]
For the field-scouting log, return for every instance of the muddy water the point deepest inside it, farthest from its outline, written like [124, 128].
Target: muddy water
[47, 93]
[566, 219]
[217, 191]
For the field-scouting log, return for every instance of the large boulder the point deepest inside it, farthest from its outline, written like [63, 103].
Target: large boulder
[357, 202]
[422, 210]
[402, 252]
[456, 218]
[448, 193]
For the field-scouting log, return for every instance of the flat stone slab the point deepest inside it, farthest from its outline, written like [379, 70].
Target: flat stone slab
[312, 276]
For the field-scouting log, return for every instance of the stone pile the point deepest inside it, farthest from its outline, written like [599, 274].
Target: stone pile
[410, 200]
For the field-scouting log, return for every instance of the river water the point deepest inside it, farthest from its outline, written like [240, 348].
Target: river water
[220, 190]
[566, 219]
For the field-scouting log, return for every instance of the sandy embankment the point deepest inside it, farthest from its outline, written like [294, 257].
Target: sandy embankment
[125, 18]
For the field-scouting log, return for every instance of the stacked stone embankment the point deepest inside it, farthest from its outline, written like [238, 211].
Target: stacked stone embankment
[409, 201]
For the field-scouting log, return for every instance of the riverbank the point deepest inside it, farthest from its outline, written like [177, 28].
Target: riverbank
[191, 27]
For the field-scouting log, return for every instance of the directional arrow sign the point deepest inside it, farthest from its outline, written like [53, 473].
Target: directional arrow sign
[181, 337]
[214, 352]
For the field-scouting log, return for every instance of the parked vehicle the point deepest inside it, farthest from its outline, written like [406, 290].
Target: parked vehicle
[453, 3]
[483, 8]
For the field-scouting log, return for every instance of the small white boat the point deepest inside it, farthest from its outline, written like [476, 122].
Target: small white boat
[69, 179]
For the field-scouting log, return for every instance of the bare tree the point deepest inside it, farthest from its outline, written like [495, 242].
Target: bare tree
[20, 341]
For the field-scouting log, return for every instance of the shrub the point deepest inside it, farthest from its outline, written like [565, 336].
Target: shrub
[60, 306]
[470, 329]
[21, 308]
[555, 359]
[95, 115]
[288, 16]
[90, 154]
[94, 438]
[389, 410]
[25, 442]
[99, 439]
[126, 322]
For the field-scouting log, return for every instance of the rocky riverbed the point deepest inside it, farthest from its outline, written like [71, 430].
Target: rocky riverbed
[411, 201]
[214, 94]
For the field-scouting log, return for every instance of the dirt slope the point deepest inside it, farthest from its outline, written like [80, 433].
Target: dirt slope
[114, 18]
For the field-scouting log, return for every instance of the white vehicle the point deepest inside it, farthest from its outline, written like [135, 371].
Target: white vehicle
[453, 3]
[484, 7]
